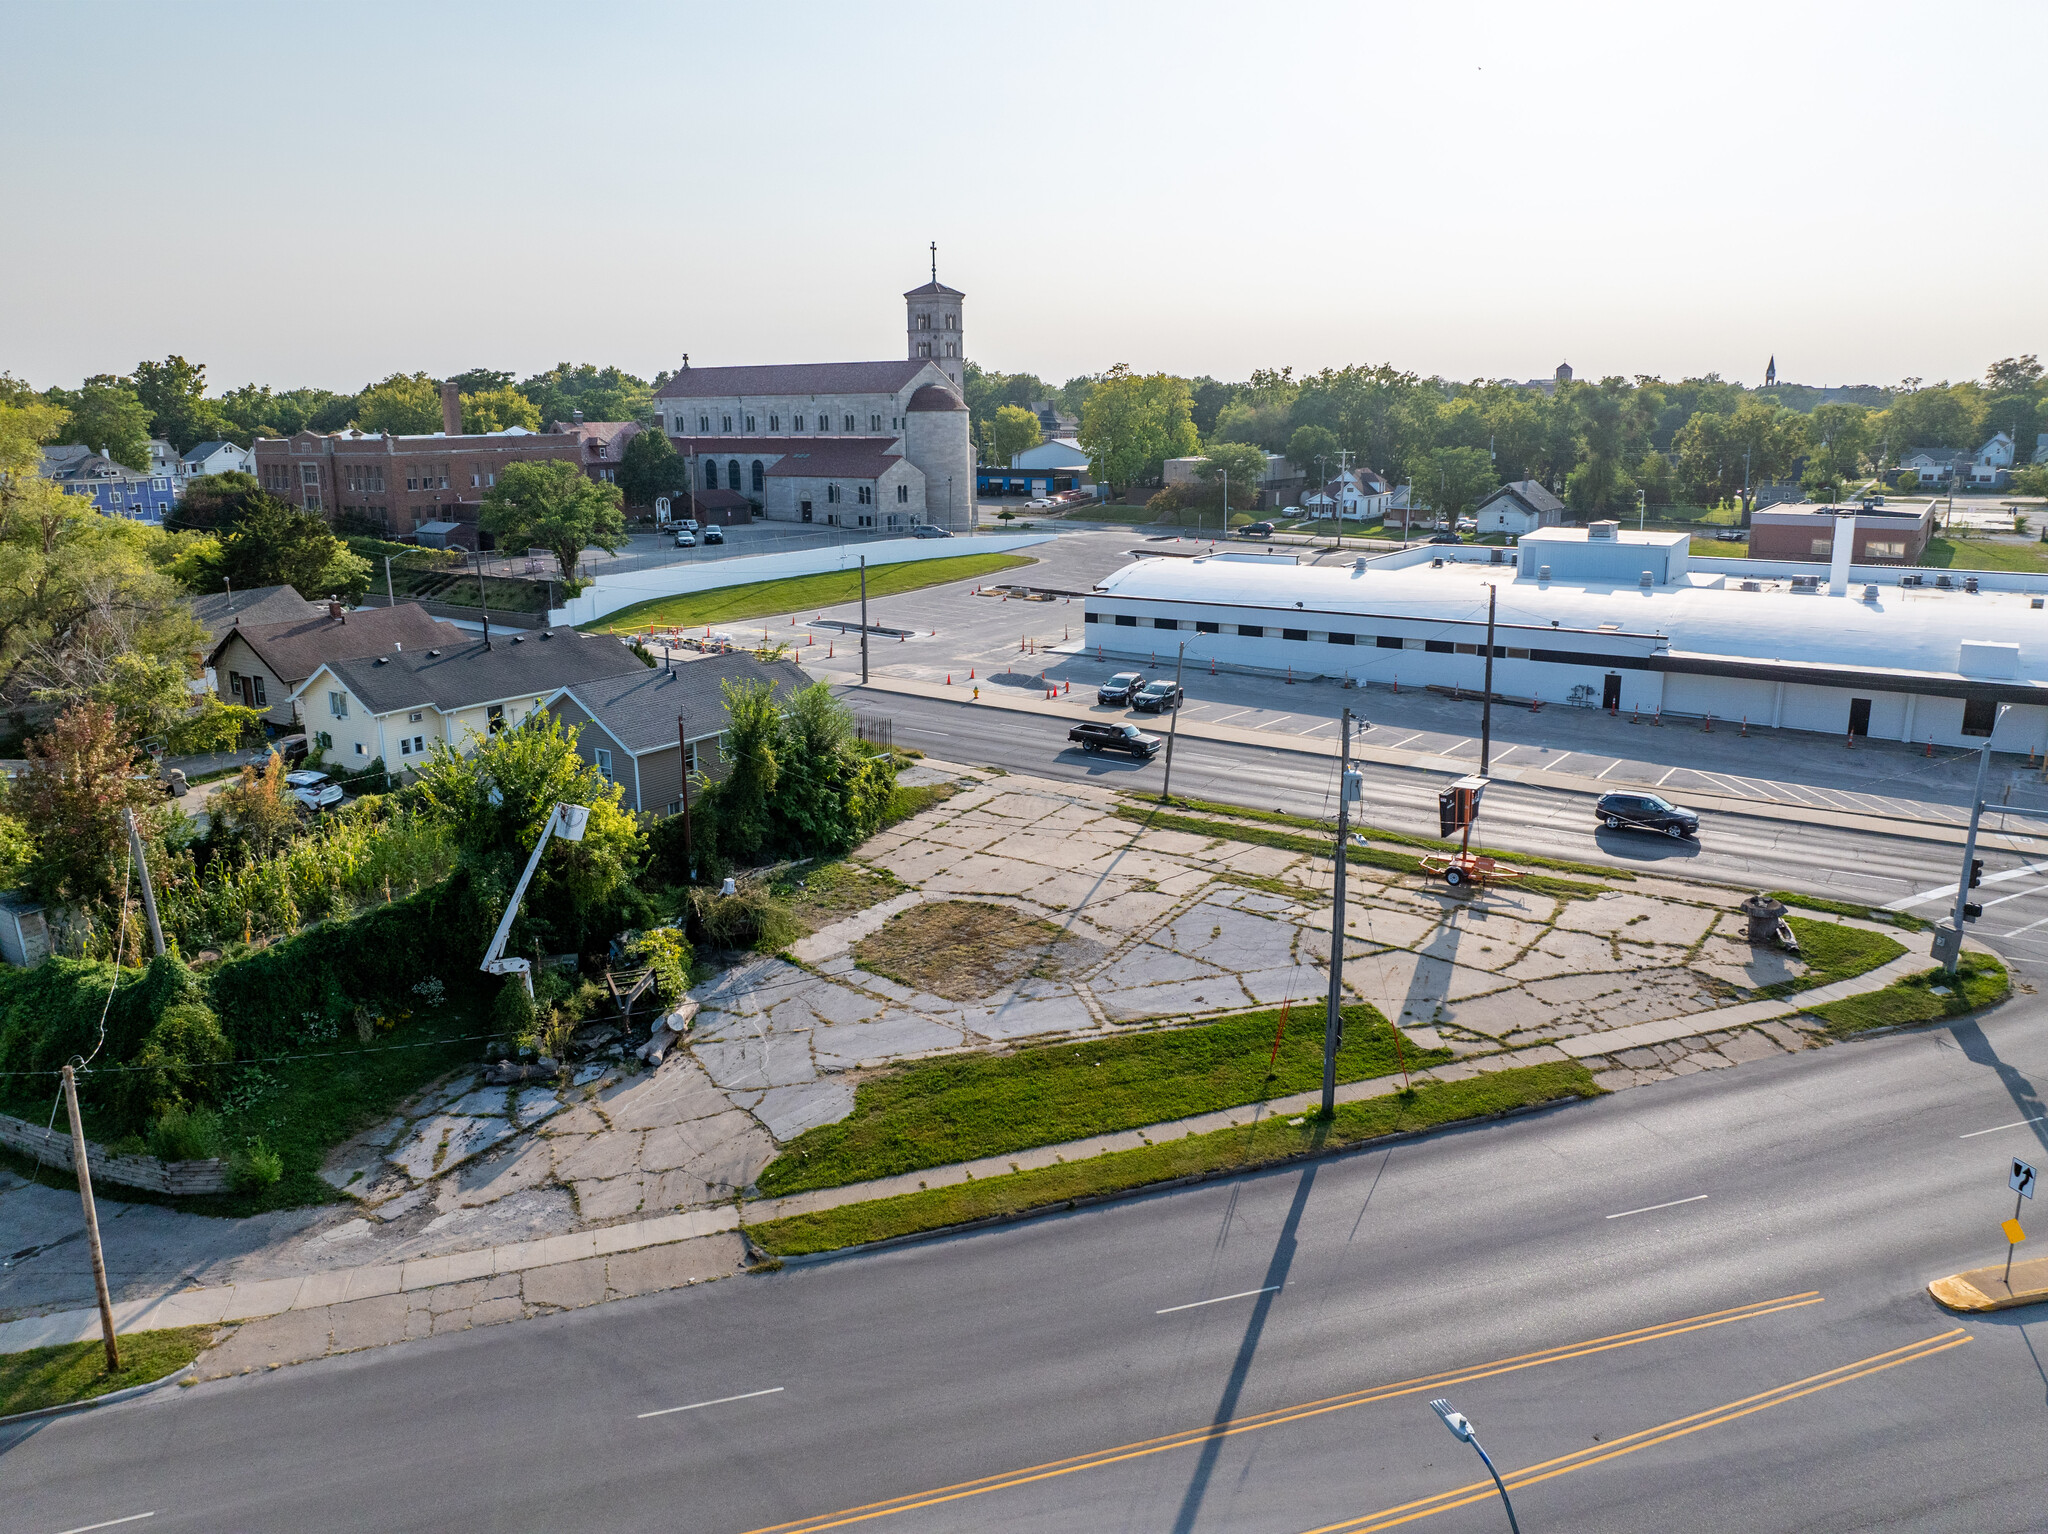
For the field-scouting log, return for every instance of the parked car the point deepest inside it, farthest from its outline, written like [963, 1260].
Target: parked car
[1259, 530]
[1127, 738]
[292, 748]
[1646, 812]
[688, 524]
[926, 530]
[685, 539]
[1467, 525]
[1156, 697]
[1732, 534]
[713, 535]
[1120, 688]
[1043, 503]
[1443, 538]
[315, 790]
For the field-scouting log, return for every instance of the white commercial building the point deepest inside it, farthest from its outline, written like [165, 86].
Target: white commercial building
[1610, 619]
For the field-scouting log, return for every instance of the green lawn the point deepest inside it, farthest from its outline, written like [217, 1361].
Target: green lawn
[1979, 981]
[1834, 951]
[756, 599]
[1848, 908]
[1983, 554]
[1714, 548]
[77, 1371]
[943, 1111]
[1227, 1150]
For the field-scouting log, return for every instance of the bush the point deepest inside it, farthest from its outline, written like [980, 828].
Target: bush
[1166, 502]
[752, 918]
[254, 1166]
[185, 1134]
[177, 1064]
[667, 953]
[512, 1014]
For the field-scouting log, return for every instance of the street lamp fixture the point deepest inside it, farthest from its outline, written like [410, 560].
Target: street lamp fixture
[1464, 1432]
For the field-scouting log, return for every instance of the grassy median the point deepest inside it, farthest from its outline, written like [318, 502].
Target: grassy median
[77, 1371]
[798, 593]
[1831, 951]
[1928, 997]
[938, 1112]
[1273, 1140]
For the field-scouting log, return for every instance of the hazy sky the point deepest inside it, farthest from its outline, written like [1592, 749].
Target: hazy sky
[323, 194]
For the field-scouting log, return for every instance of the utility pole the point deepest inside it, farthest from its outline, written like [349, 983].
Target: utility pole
[683, 761]
[1333, 1022]
[864, 613]
[1486, 708]
[1166, 788]
[1970, 846]
[1226, 516]
[390, 596]
[92, 1222]
[156, 931]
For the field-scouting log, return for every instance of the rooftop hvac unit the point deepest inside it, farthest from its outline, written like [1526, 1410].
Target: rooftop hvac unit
[1751, 586]
[1543, 572]
[1970, 585]
[2036, 602]
[1870, 593]
[1603, 529]
[1647, 579]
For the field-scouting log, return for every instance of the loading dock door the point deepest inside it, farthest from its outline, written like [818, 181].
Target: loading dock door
[1859, 717]
[1610, 694]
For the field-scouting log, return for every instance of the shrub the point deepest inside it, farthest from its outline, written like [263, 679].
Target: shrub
[512, 1014]
[1166, 502]
[667, 953]
[185, 1134]
[752, 918]
[254, 1166]
[176, 1064]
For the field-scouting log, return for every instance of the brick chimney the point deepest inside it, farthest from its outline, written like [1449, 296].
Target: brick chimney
[451, 410]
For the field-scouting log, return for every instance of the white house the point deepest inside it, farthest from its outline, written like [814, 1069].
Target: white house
[1518, 508]
[1358, 494]
[1997, 453]
[1932, 464]
[218, 458]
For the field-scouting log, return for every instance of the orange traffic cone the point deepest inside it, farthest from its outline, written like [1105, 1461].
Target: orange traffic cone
[949, 679]
[1745, 727]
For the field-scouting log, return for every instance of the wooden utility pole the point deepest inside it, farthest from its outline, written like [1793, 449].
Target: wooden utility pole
[92, 1222]
[156, 931]
[683, 765]
[863, 620]
[1333, 1023]
[1166, 788]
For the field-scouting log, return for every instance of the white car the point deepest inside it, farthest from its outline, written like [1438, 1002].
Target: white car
[315, 790]
[1043, 503]
[686, 539]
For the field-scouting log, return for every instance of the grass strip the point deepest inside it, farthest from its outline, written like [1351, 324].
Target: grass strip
[1832, 951]
[1848, 908]
[77, 1371]
[1377, 834]
[906, 802]
[938, 1112]
[1320, 847]
[1979, 981]
[757, 599]
[1273, 1140]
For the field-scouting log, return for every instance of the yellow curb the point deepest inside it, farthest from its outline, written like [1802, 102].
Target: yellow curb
[1984, 1289]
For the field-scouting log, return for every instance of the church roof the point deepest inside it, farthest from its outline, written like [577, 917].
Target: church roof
[936, 397]
[835, 458]
[935, 289]
[792, 378]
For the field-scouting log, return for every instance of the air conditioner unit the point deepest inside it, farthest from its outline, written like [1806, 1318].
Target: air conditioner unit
[1543, 572]
[1647, 580]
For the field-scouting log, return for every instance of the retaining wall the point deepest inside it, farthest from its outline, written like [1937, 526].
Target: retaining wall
[53, 1146]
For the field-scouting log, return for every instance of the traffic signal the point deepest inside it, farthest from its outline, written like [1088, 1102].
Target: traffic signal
[1976, 872]
[1972, 912]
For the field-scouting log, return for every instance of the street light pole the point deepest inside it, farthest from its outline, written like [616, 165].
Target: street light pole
[1970, 845]
[683, 762]
[864, 612]
[1486, 708]
[1333, 1020]
[1173, 725]
[1462, 1430]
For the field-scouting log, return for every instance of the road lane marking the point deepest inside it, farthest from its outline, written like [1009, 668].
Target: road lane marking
[938, 1496]
[669, 1411]
[1947, 891]
[1596, 1454]
[1242, 1294]
[2029, 927]
[2022, 895]
[2015, 1124]
[110, 1523]
[1650, 1208]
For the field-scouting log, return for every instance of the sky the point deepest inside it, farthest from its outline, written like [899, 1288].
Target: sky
[324, 194]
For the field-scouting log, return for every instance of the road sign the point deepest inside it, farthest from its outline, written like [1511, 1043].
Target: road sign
[2023, 1178]
[2013, 1233]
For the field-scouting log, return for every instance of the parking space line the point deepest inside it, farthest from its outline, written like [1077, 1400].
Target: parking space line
[669, 1411]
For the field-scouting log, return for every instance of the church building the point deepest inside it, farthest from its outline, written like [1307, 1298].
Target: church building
[882, 445]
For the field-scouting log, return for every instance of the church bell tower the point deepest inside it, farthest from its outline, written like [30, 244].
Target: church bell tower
[935, 323]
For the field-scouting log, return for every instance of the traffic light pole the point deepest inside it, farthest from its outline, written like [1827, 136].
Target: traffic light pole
[1969, 857]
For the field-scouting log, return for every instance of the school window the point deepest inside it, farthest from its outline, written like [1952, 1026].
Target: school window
[309, 473]
[1884, 551]
[1822, 547]
[412, 482]
[476, 481]
[337, 704]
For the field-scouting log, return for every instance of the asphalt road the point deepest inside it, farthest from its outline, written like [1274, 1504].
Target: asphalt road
[1839, 862]
[1771, 1227]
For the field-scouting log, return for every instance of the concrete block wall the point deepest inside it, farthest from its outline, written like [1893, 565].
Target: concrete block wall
[53, 1147]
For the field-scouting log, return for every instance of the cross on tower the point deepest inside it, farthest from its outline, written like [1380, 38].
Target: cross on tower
[935, 260]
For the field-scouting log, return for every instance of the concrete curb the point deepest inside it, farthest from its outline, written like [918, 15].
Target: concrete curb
[108, 1399]
[1122, 1195]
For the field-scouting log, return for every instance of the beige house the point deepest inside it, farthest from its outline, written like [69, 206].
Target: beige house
[398, 707]
[262, 665]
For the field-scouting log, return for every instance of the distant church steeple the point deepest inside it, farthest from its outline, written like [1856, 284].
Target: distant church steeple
[1771, 373]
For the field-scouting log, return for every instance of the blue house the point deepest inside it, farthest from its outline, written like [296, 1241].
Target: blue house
[114, 488]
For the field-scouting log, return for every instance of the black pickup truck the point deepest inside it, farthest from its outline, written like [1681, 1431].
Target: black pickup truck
[1127, 738]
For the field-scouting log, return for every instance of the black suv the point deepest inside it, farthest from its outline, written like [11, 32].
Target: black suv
[1120, 688]
[1127, 738]
[1258, 530]
[1646, 812]
[1156, 697]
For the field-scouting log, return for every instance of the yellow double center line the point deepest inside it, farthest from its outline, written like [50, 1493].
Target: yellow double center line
[1480, 1491]
[1285, 1414]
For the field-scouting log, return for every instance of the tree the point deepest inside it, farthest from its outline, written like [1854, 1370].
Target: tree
[1822, 483]
[831, 794]
[174, 393]
[2014, 375]
[1244, 462]
[498, 409]
[215, 500]
[1938, 416]
[1839, 438]
[1131, 424]
[481, 381]
[1013, 430]
[81, 778]
[554, 506]
[1452, 480]
[108, 418]
[651, 468]
[602, 394]
[258, 812]
[272, 544]
[405, 404]
[1312, 449]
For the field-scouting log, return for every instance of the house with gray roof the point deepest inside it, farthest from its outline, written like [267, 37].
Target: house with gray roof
[644, 729]
[219, 611]
[1517, 508]
[398, 706]
[218, 458]
[261, 665]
